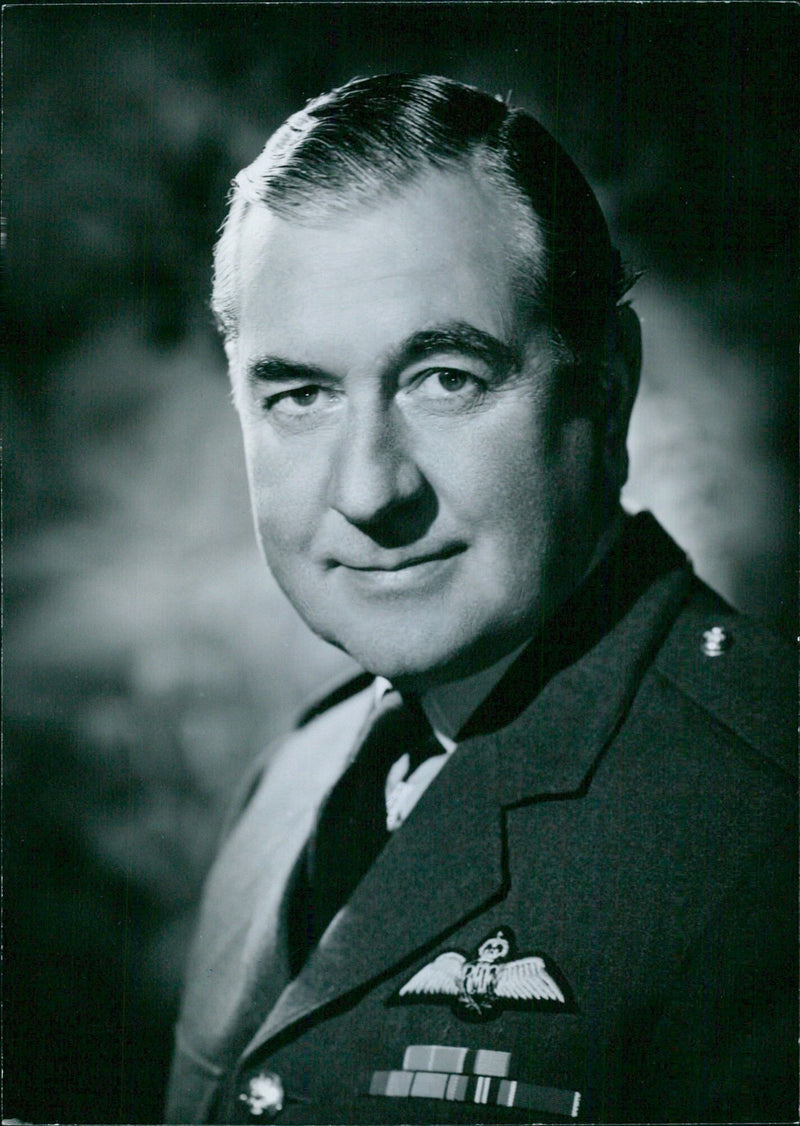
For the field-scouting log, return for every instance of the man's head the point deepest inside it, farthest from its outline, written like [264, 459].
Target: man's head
[419, 299]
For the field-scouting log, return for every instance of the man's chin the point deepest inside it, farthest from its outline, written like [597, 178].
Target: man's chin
[401, 664]
[416, 640]
[416, 664]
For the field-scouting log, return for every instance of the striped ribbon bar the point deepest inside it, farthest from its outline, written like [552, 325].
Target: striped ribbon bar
[470, 1061]
[482, 1089]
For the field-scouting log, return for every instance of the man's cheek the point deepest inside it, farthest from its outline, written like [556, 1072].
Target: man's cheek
[279, 537]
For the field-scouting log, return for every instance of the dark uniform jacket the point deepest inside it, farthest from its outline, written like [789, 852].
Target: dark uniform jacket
[618, 823]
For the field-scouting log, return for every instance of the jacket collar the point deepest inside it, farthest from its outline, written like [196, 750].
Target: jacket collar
[641, 555]
[550, 747]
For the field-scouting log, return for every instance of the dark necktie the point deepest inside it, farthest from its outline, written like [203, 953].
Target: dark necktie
[351, 825]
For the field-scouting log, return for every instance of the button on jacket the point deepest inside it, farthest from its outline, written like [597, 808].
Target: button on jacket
[620, 817]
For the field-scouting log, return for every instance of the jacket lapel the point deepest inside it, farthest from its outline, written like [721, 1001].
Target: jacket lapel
[555, 746]
[454, 834]
[443, 865]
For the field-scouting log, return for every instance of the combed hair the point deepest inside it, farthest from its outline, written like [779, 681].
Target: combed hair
[369, 139]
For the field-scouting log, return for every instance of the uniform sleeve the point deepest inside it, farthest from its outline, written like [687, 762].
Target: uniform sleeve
[724, 1046]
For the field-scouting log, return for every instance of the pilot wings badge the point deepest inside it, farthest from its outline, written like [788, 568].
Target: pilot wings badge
[479, 987]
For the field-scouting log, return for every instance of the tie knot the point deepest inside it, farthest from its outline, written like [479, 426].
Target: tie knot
[399, 726]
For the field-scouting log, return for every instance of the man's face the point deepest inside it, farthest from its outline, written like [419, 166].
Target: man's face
[419, 490]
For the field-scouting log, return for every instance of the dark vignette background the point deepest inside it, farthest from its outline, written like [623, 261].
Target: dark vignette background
[148, 655]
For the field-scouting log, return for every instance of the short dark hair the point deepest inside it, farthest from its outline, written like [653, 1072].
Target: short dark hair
[373, 136]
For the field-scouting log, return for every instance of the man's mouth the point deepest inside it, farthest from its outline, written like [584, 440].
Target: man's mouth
[396, 572]
[390, 563]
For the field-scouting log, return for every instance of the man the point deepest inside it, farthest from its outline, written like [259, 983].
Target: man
[575, 897]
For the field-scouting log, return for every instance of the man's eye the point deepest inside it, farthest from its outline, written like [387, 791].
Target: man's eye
[295, 400]
[445, 383]
[304, 396]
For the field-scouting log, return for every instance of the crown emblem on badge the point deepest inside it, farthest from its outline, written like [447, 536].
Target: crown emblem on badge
[480, 986]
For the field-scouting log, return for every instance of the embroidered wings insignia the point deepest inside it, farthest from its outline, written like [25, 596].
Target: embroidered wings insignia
[481, 985]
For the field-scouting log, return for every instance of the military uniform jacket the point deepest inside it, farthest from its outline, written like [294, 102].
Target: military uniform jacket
[625, 843]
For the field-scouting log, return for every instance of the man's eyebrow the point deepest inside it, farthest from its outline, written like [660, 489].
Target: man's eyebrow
[457, 336]
[274, 369]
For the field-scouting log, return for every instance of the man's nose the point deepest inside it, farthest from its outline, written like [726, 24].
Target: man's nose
[374, 470]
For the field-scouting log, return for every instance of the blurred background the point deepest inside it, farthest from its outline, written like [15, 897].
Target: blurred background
[148, 654]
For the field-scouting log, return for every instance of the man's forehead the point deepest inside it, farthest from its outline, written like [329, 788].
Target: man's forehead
[440, 216]
[443, 251]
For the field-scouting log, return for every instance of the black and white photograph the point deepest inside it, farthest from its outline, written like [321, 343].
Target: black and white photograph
[400, 562]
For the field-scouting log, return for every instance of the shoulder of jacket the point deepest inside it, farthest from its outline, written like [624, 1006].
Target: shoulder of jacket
[738, 671]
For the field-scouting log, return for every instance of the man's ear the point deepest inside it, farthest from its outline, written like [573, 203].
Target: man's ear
[624, 368]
